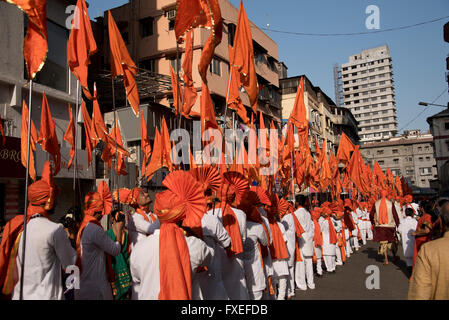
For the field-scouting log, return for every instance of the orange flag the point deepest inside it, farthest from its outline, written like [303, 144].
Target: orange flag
[317, 149]
[156, 161]
[90, 141]
[69, 136]
[166, 147]
[344, 149]
[200, 13]
[2, 133]
[190, 94]
[356, 171]
[234, 100]
[325, 176]
[399, 185]
[243, 57]
[176, 90]
[289, 142]
[81, 45]
[24, 141]
[121, 163]
[47, 135]
[35, 46]
[299, 113]
[122, 64]
[207, 110]
[145, 145]
[379, 174]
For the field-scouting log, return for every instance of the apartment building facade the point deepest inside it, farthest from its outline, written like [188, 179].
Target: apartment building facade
[368, 91]
[410, 155]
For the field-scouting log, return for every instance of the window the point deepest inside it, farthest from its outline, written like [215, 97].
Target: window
[425, 171]
[421, 159]
[231, 35]
[354, 73]
[146, 27]
[446, 125]
[380, 152]
[384, 111]
[356, 94]
[149, 64]
[365, 100]
[373, 98]
[395, 151]
[381, 68]
[419, 149]
[427, 158]
[171, 24]
[372, 77]
[381, 162]
[384, 104]
[54, 72]
[409, 172]
[373, 91]
[383, 97]
[374, 105]
[383, 90]
[215, 66]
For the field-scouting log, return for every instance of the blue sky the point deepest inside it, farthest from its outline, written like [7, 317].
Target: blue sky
[418, 53]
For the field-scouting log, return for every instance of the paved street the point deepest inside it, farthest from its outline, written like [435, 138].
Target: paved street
[348, 282]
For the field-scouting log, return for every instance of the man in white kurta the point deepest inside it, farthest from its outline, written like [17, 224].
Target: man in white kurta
[140, 227]
[363, 218]
[48, 251]
[290, 235]
[255, 275]
[406, 228]
[144, 264]
[338, 228]
[233, 272]
[267, 261]
[355, 233]
[208, 285]
[304, 268]
[328, 248]
[280, 271]
[95, 243]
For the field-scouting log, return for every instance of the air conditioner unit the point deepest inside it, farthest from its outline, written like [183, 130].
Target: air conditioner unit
[171, 15]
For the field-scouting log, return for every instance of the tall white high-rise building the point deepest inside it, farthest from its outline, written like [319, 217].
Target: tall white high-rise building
[368, 91]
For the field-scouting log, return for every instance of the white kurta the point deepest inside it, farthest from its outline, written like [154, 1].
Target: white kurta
[47, 251]
[210, 283]
[290, 235]
[144, 263]
[139, 228]
[280, 266]
[328, 248]
[306, 241]
[94, 284]
[267, 261]
[233, 272]
[355, 232]
[406, 227]
[255, 276]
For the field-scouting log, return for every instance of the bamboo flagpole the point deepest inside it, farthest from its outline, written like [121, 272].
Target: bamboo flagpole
[115, 133]
[76, 133]
[26, 192]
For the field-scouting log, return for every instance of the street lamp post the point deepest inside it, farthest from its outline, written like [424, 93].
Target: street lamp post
[426, 104]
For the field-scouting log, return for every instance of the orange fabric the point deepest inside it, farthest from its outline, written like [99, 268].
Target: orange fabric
[69, 136]
[190, 94]
[156, 157]
[122, 64]
[379, 174]
[383, 211]
[278, 248]
[127, 196]
[325, 175]
[288, 143]
[317, 236]
[35, 46]
[47, 135]
[299, 114]
[345, 148]
[207, 110]
[355, 169]
[166, 146]
[142, 213]
[81, 45]
[24, 141]
[87, 219]
[2, 133]
[145, 144]
[234, 100]
[243, 57]
[177, 90]
[89, 134]
[226, 193]
[44, 191]
[120, 165]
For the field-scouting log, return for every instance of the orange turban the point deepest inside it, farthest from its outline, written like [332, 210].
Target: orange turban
[44, 191]
[183, 201]
[127, 196]
[226, 193]
[100, 201]
[408, 199]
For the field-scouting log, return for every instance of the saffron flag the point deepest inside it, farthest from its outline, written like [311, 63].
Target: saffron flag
[200, 13]
[243, 57]
[69, 136]
[2, 133]
[177, 91]
[35, 46]
[47, 135]
[234, 100]
[299, 113]
[24, 141]
[90, 141]
[166, 147]
[122, 64]
[345, 148]
[190, 93]
[120, 160]
[145, 145]
[81, 45]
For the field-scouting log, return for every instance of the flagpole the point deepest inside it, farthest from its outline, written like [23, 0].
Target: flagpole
[26, 192]
[115, 133]
[293, 183]
[177, 84]
[76, 133]
[227, 94]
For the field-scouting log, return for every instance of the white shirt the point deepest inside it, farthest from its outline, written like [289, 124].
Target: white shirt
[139, 228]
[209, 285]
[328, 248]
[306, 241]
[47, 251]
[144, 262]
[290, 235]
[406, 227]
[94, 284]
[255, 276]
[355, 232]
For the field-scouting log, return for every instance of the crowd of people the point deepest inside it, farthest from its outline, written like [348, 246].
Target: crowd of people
[209, 237]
